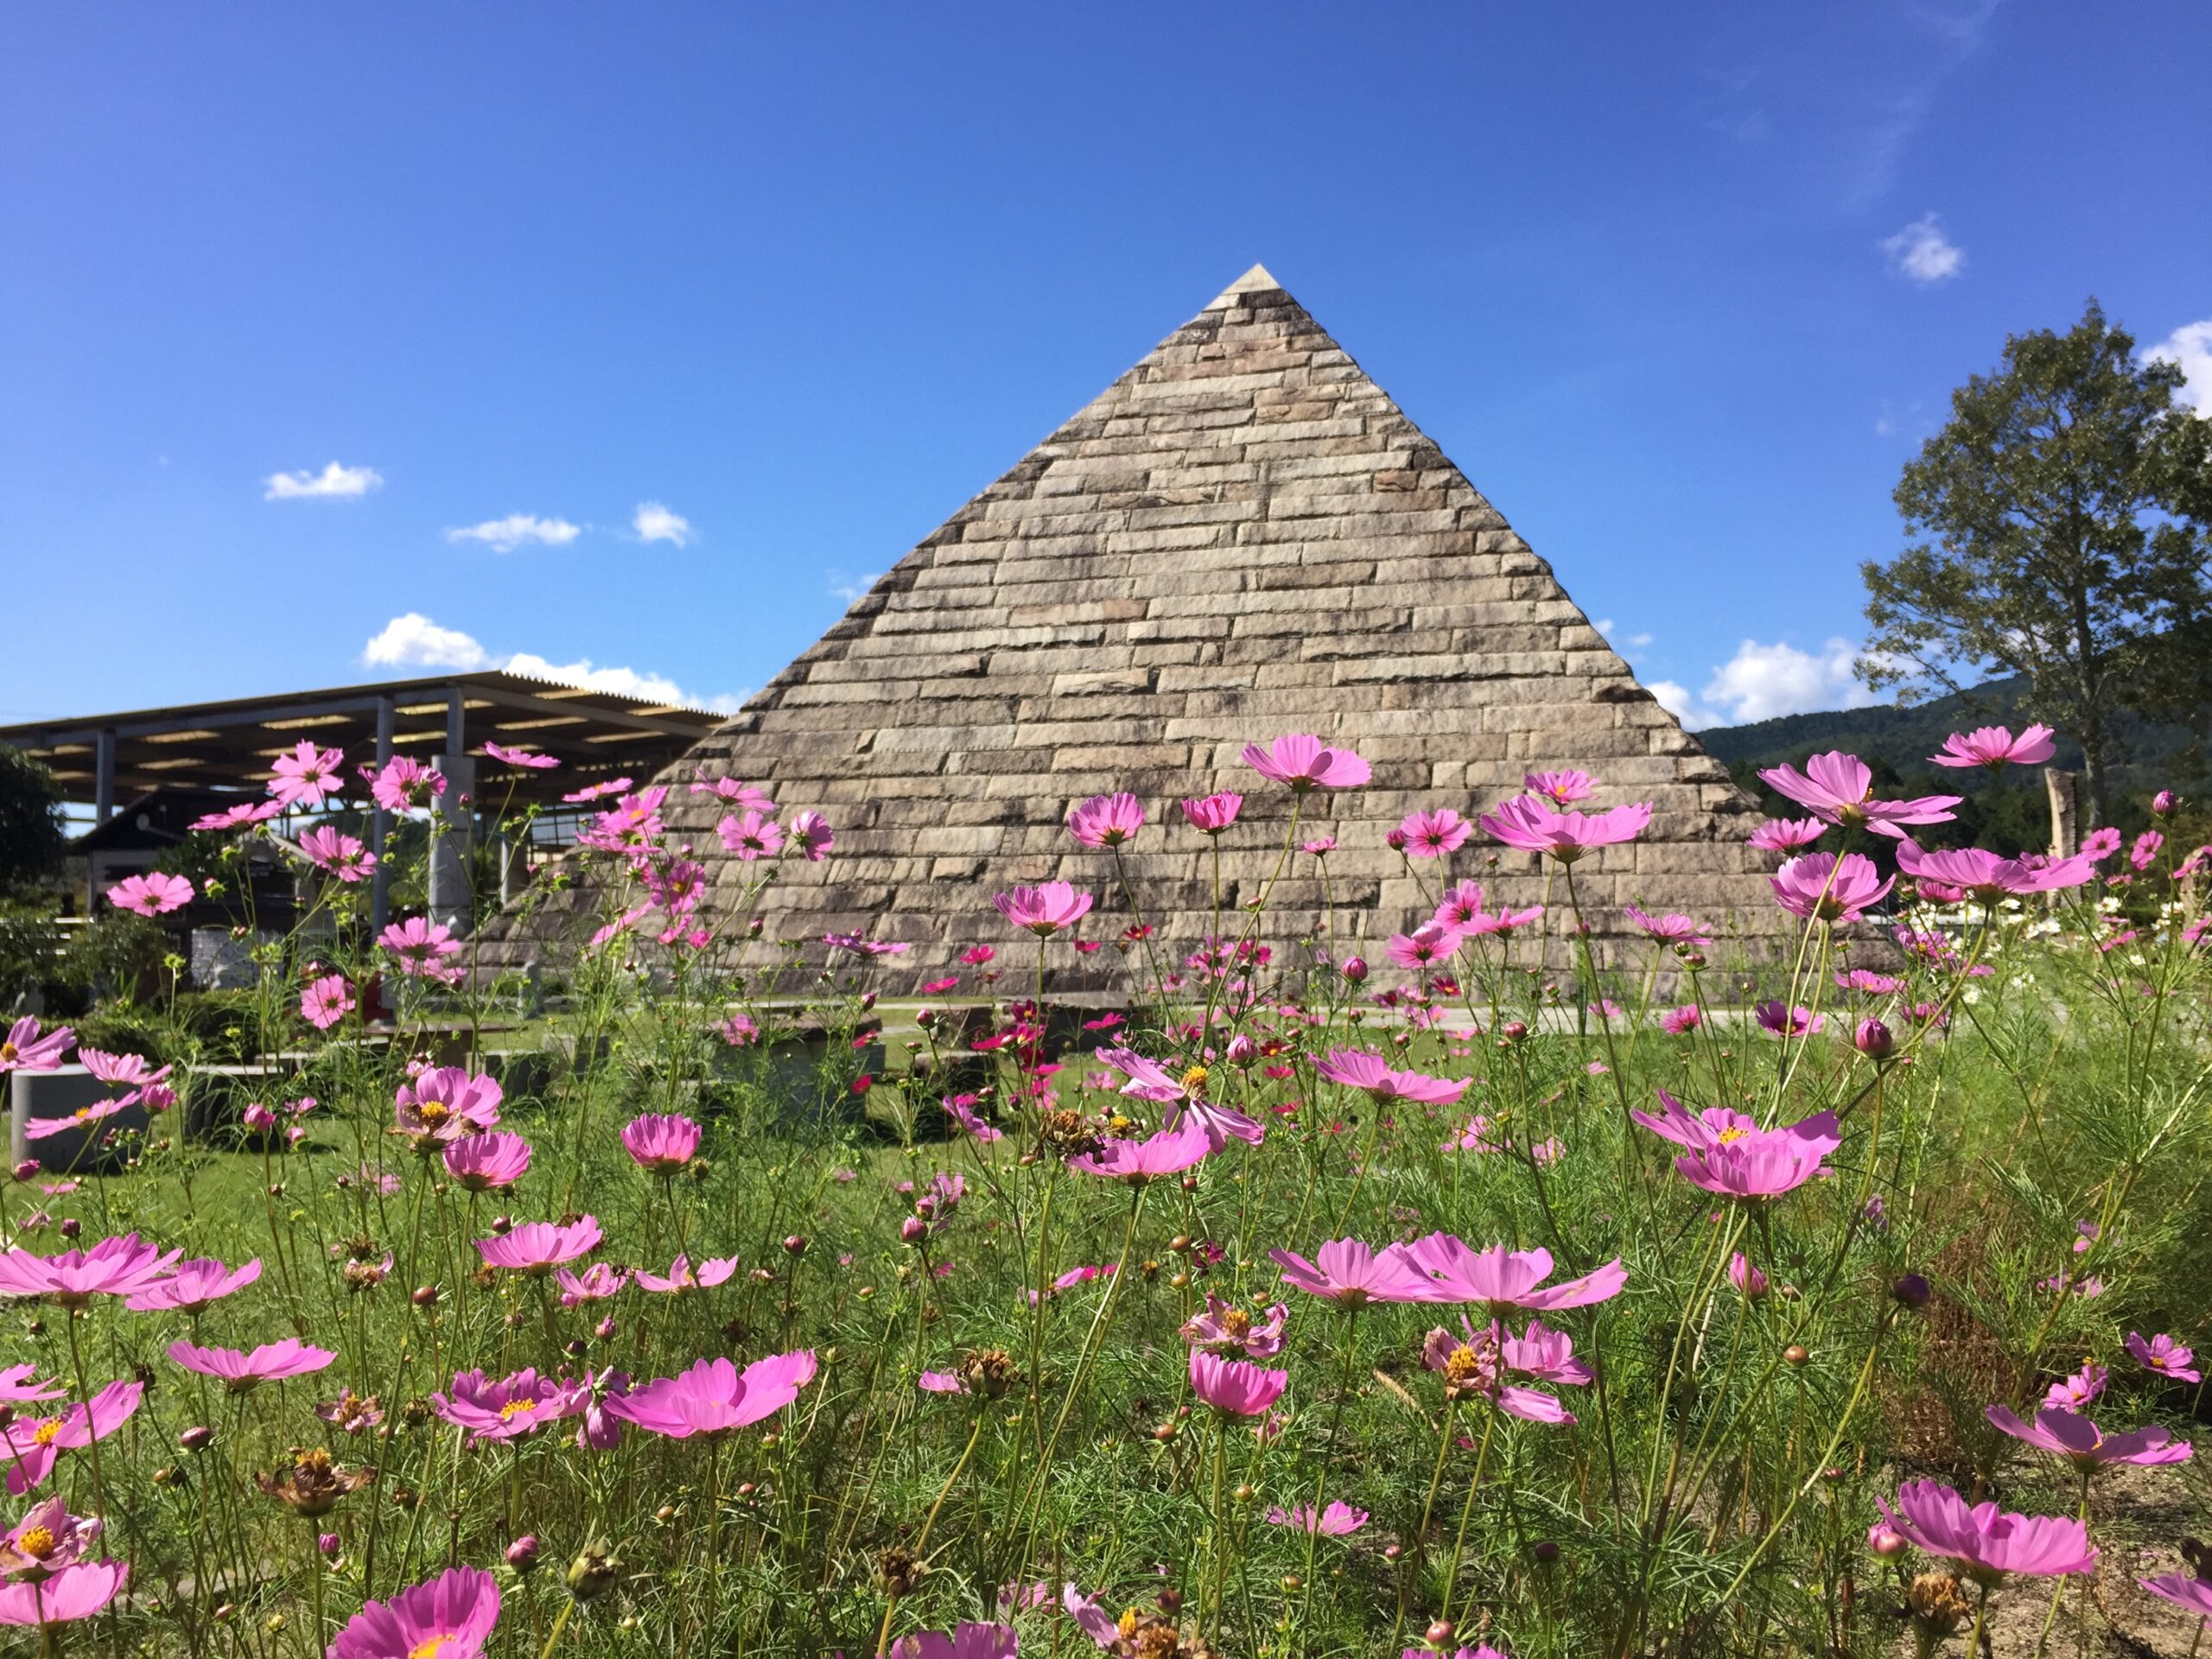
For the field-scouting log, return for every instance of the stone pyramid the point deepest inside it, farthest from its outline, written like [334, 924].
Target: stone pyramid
[1241, 537]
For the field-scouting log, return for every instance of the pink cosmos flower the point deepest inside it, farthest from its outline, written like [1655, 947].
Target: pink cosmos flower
[1779, 1021]
[661, 1143]
[75, 1592]
[2100, 843]
[326, 1002]
[405, 782]
[1432, 834]
[810, 837]
[1677, 1022]
[1482, 1650]
[1535, 825]
[443, 1104]
[195, 1287]
[1305, 763]
[615, 787]
[1045, 909]
[508, 1407]
[2069, 1434]
[419, 948]
[2165, 1356]
[539, 1246]
[528, 758]
[47, 1539]
[1985, 876]
[1987, 1542]
[1353, 1069]
[939, 1382]
[1787, 835]
[343, 856]
[115, 1267]
[1547, 1355]
[2078, 1392]
[450, 1617]
[1168, 1153]
[1230, 1328]
[2144, 852]
[1561, 788]
[153, 895]
[961, 1109]
[306, 775]
[119, 1070]
[1818, 887]
[713, 1398]
[20, 1384]
[1233, 1385]
[42, 1129]
[741, 1031]
[1759, 1166]
[1461, 904]
[967, 1641]
[751, 837]
[1106, 820]
[1425, 945]
[1334, 1521]
[1148, 1080]
[681, 1276]
[34, 1444]
[245, 812]
[1670, 929]
[1475, 1366]
[1211, 814]
[488, 1163]
[1746, 1278]
[1994, 746]
[596, 1283]
[1838, 789]
[1352, 1275]
[728, 789]
[1320, 847]
[240, 1372]
[2191, 1595]
[1507, 1278]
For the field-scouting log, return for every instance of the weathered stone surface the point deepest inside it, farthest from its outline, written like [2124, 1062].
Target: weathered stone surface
[1242, 536]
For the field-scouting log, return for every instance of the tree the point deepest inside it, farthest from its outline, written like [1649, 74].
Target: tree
[2059, 530]
[32, 838]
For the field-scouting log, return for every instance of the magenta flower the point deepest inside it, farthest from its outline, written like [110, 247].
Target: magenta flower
[1168, 1153]
[1334, 1521]
[19, 1384]
[1305, 763]
[753, 835]
[444, 1104]
[450, 1617]
[154, 894]
[231, 818]
[961, 1109]
[2100, 843]
[1779, 1021]
[1987, 1542]
[940, 1383]
[326, 1002]
[1477, 1365]
[1461, 904]
[528, 758]
[1432, 834]
[34, 1443]
[681, 1276]
[1211, 814]
[1838, 789]
[1045, 909]
[2069, 1434]
[115, 1267]
[1985, 876]
[2192, 1595]
[713, 1398]
[419, 948]
[1787, 835]
[596, 1283]
[1994, 746]
[661, 1143]
[810, 837]
[1353, 1069]
[1234, 1385]
[488, 1163]
[2165, 1356]
[43, 1129]
[510, 1407]
[1547, 1355]
[405, 782]
[75, 1592]
[1229, 1328]
[1729, 1155]
[306, 775]
[1106, 820]
[1561, 788]
[2078, 1392]
[1670, 929]
[1535, 825]
[967, 1641]
[47, 1539]
[1507, 1278]
[239, 1371]
[119, 1070]
[343, 856]
[1819, 888]
[1352, 1275]
[540, 1246]
[1745, 1277]
[1425, 946]
[1677, 1022]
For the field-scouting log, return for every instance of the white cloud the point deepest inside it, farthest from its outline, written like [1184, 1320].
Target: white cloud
[2190, 346]
[655, 522]
[333, 483]
[1761, 682]
[851, 589]
[511, 532]
[1921, 251]
[414, 641]
[1676, 700]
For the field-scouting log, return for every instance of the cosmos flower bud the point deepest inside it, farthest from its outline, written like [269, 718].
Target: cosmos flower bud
[1355, 968]
[605, 1329]
[26, 1169]
[1912, 1290]
[326, 1542]
[1546, 1552]
[1874, 1039]
[425, 1296]
[795, 1244]
[71, 1226]
[913, 1230]
[1439, 1632]
[867, 1003]
[1884, 1543]
[1513, 1031]
[197, 1438]
[2165, 803]
[1243, 1051]
[521, 1554]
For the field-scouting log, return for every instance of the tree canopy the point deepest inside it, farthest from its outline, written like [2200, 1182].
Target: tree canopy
[32, 836]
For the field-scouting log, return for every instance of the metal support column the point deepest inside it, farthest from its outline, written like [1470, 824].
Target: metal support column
[452, 900]
[380, 828]
[104, 777]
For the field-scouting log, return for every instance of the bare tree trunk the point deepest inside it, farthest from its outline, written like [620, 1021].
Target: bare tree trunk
[2065, 828]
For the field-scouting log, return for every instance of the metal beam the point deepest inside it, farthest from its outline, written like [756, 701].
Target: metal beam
[102, 776]
[380, 833]
[522, 699]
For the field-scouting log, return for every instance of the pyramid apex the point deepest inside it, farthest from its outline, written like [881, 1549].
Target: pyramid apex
[1251, 282]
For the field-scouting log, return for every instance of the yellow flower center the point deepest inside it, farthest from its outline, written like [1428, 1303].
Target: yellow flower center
[1237, 1322]
[37, 1540]
[433, 1115]
[514, 1408]
[1729, 1134]
[1194, 1080]
[8, 1051]
[1462, 1367]
[45, 1433]
[430, 1648]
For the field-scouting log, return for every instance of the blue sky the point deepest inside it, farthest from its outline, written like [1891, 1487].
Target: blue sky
[699, 315]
